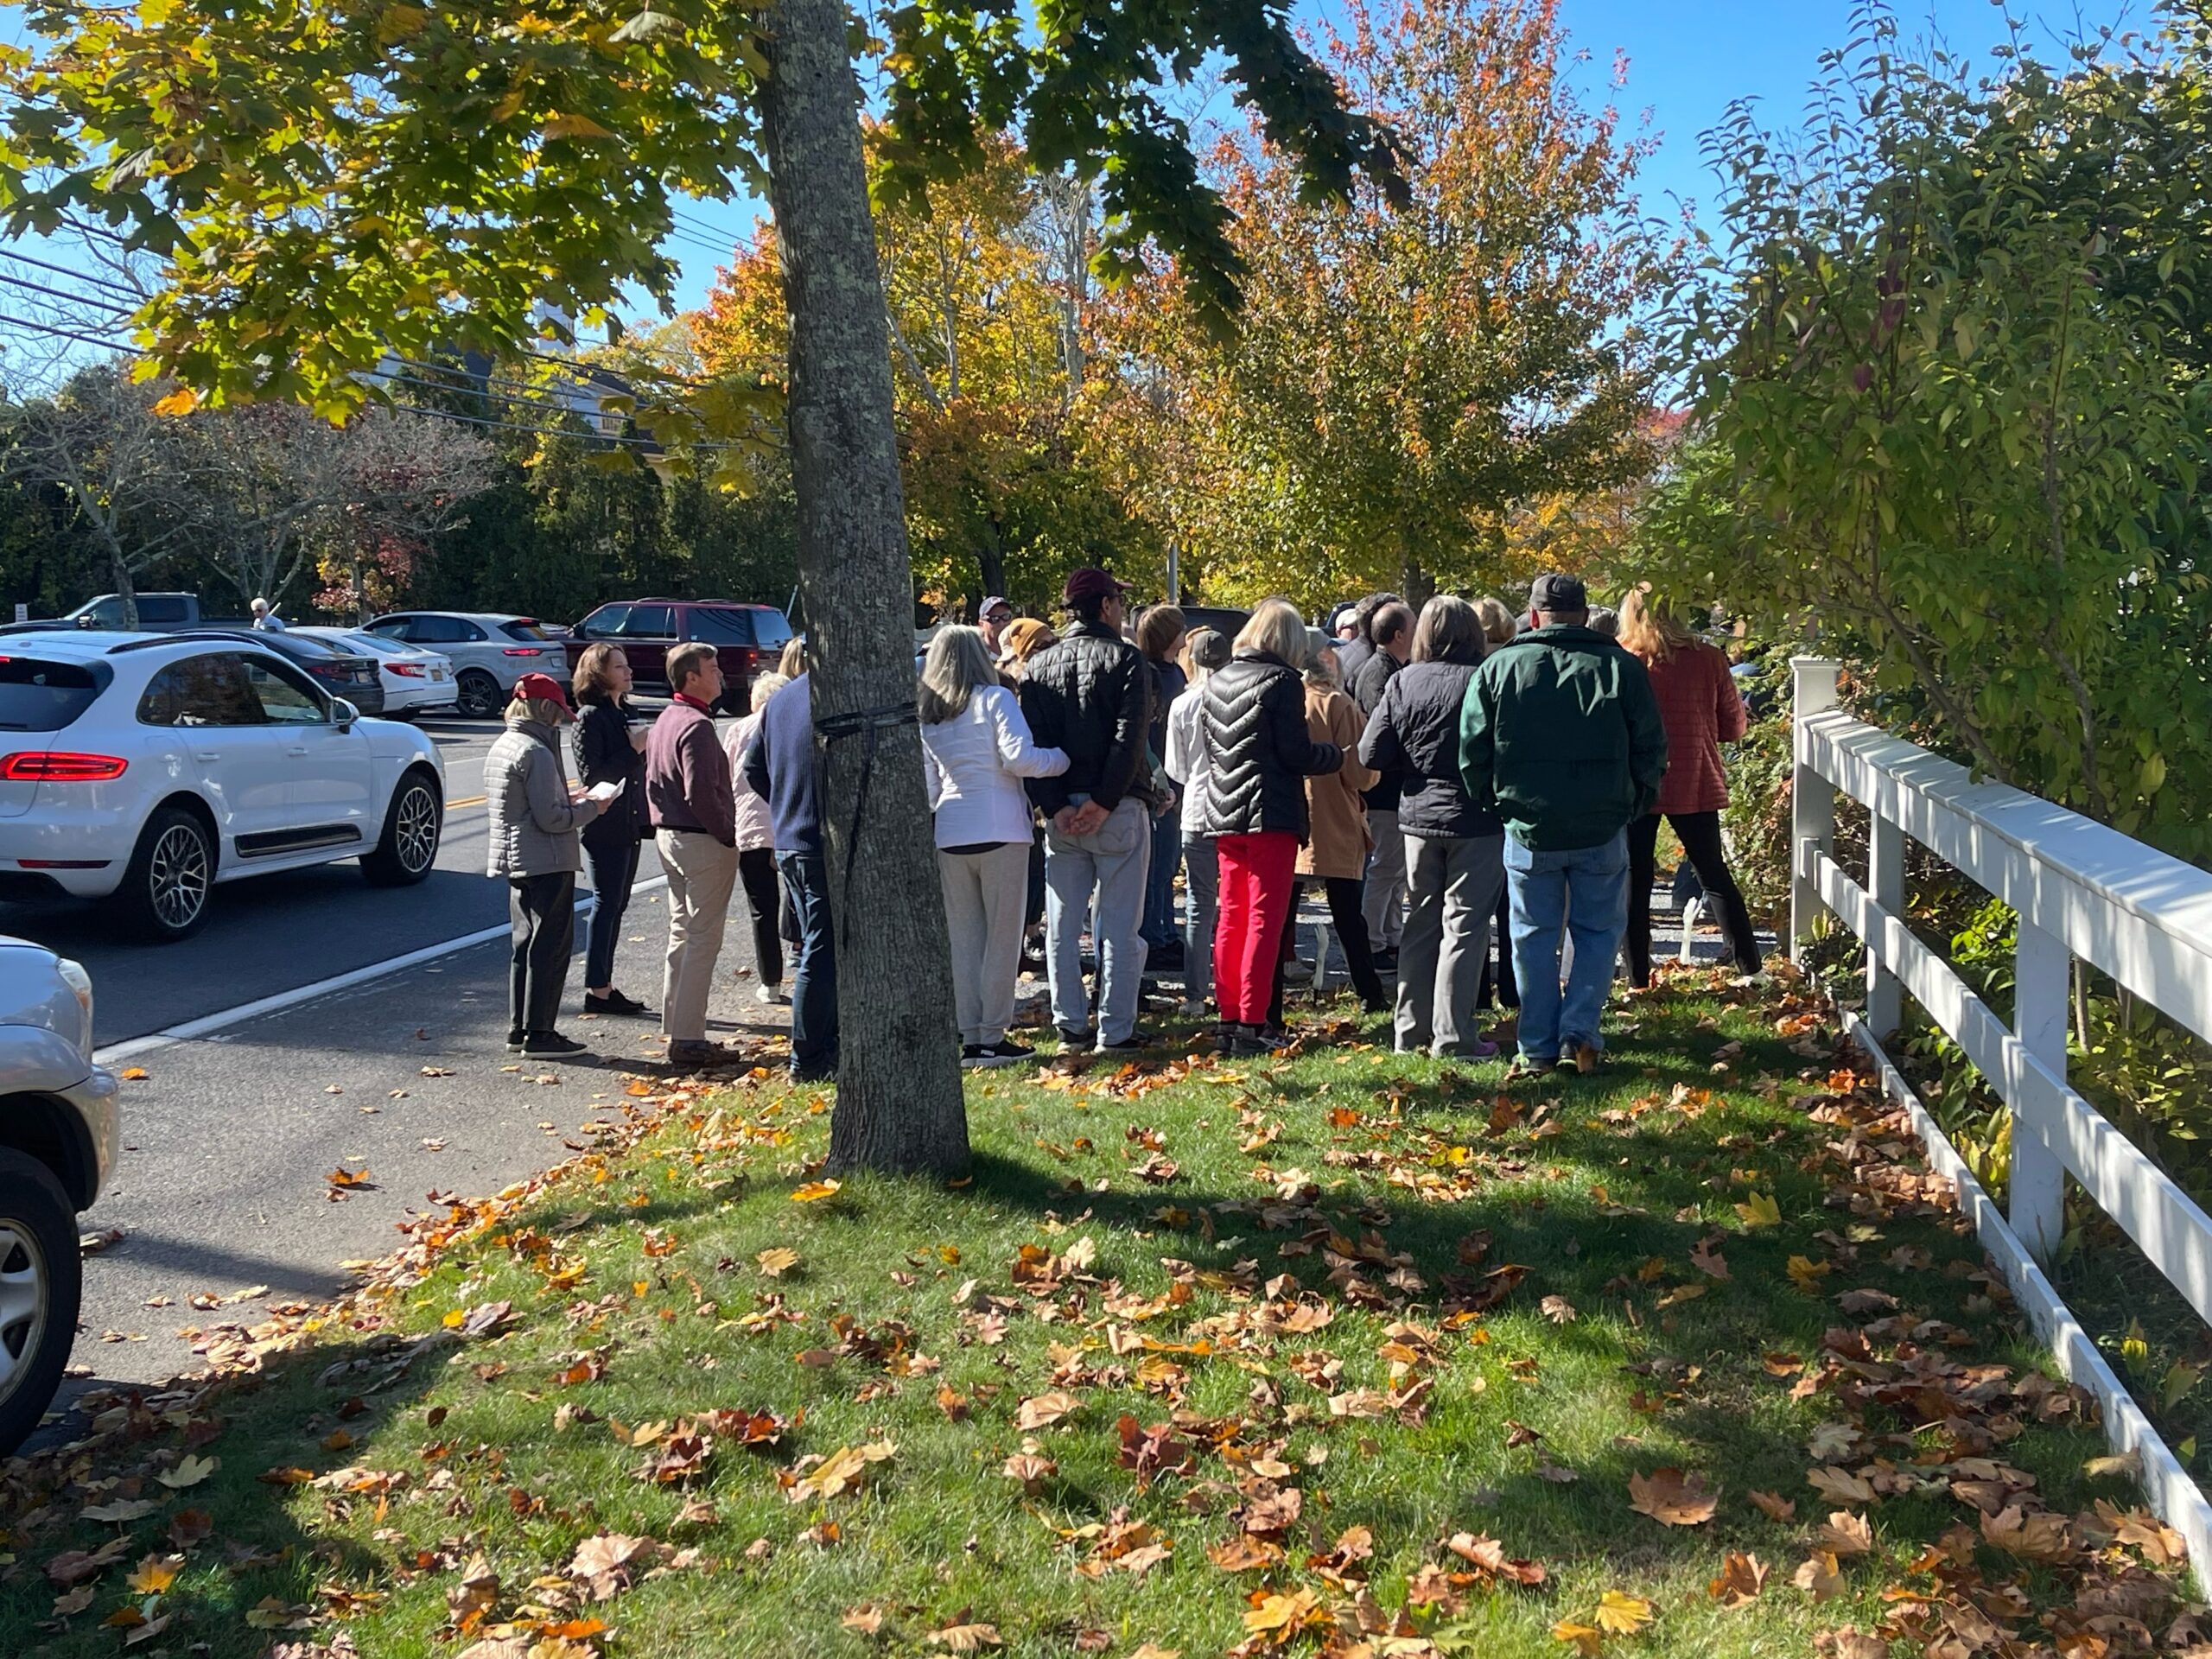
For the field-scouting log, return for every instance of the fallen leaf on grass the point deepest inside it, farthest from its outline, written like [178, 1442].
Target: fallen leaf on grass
[1850, 1643]
[965, 1638]
[1819, 1576]
[815, 1192]
[1622, 1613]
[1031, 1470]
[1705, 1257]
[189, 1526]
[1281, 1617]
[843, 1470]
[123, 1512]
[1671, 1498]
[1559, 1309]
[1043, 1410]
[774, 1263]
[1838, 1485]
[189, 1472]
[75, 1567]
[1759, 1211]
[1846, 1533]
[866, 1619]
[1586, 1639]
[1742, 1578]
[1774, 1506]
[72, 1601]
[153, 1574]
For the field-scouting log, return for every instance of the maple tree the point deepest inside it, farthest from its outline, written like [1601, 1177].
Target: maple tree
[1401, 378]
[333, 181]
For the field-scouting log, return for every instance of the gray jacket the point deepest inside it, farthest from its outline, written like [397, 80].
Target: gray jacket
[534, 823]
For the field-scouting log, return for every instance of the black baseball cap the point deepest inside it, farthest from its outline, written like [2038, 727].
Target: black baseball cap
[1556, 592]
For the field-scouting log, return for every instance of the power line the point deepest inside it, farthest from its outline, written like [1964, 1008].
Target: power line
[55, 293]
[70, 270]
[63, 333]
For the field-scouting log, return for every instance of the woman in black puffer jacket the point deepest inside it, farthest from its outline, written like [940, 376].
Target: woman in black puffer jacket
[1258, 756]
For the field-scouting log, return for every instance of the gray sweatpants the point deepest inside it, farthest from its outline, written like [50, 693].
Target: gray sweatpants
[1112, 862]
[1453, 884]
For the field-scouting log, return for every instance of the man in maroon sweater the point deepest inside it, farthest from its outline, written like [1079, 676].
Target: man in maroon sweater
[695, 829]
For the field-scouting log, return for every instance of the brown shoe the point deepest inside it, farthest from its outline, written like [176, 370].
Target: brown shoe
[692, 1054]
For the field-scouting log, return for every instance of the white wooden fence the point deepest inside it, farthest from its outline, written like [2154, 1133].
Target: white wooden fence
[2079, 889]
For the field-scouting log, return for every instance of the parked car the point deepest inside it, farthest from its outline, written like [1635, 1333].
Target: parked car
[60, 1127]
[415, 679]
[146, 769]
[1222, 619]
[747, 640]
[157, 613]
[489, 651]
[343, 671]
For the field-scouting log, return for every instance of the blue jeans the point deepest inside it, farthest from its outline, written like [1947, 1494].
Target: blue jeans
[814, 970]
[1102, 874]
[1584, 893]
[1159, 931]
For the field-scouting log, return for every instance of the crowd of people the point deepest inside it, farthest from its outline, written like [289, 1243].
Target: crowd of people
[1446, 777]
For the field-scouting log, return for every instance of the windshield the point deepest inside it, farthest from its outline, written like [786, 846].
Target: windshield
[42, 697]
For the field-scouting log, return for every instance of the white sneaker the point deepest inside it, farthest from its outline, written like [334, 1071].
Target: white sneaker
[773, 996]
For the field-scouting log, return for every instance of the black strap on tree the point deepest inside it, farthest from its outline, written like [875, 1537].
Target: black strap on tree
[867, 723]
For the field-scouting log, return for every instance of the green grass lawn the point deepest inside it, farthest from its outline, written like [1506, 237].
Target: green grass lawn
[1343, 1353]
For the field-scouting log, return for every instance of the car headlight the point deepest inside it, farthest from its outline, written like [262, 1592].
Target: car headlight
[74, 976]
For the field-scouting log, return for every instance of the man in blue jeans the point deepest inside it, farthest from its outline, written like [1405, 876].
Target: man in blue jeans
[779, 767]
[1561, 736]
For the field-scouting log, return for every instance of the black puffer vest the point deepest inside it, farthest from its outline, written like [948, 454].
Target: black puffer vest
[1252, 722]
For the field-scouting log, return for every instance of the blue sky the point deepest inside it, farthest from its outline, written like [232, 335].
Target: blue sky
[1687, 60]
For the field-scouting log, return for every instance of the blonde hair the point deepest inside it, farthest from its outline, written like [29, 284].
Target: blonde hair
[792, 663]
[957, 662]
[1497, 622]
[1650, 627]
[1277, 629]
[543, 711]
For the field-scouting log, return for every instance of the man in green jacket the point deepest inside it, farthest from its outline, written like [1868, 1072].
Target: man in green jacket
[1561, 737]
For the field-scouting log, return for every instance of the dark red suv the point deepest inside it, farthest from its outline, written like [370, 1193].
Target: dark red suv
[747, 638]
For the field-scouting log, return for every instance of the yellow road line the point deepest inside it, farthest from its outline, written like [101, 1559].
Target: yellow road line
[468, 800]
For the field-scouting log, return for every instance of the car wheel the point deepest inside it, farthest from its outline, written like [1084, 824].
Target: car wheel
[165, 892]
[41, 1280]
[412, 826]
[477, 693]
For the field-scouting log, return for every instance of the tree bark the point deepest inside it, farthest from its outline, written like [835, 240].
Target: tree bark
[899, 1086]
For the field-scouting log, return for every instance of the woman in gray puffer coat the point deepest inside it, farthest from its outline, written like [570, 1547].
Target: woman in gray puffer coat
[534, 844]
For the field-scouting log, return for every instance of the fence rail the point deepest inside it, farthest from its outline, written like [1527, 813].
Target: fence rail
[2079, 888]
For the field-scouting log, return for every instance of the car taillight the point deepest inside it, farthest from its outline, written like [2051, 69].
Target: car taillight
[54, 766]
[408, 669]
[523, 651]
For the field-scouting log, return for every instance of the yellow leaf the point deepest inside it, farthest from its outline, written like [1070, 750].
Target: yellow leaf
[572, 126]
[777, 1261]
[133, 1073]
[155, 1575]
[815, 1192]
[1622, 1613]
[1587, 1639]
[1760, 1211]
[189, 1472]
[182, 401]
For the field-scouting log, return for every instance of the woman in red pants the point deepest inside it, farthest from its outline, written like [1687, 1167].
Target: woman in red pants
[1252, 722]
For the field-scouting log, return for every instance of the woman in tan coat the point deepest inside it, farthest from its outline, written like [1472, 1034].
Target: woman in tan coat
[1337, 845]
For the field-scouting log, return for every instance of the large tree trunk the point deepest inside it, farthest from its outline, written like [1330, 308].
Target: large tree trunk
[899, 1096]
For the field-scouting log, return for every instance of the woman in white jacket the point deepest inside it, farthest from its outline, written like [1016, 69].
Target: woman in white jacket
[976, 749]
[756, 850]
[1204, 651]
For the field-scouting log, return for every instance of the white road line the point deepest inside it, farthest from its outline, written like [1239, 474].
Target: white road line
[208, 1025]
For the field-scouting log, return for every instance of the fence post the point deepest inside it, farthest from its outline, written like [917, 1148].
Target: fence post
[2042, 966]
[1812, 798]
[1885, 881]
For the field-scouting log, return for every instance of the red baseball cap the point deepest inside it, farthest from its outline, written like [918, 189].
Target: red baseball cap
[1090, 582]
[535, 687]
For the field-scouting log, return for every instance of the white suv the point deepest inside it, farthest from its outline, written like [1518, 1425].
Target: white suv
[145, 768]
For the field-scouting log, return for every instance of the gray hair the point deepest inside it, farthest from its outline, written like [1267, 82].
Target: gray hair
[957, 662]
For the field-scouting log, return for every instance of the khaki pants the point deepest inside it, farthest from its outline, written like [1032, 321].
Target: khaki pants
[701, 873]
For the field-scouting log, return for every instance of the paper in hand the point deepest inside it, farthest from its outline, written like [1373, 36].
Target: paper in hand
[606, 790]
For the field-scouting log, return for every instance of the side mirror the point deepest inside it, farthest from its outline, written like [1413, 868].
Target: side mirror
[343, 714]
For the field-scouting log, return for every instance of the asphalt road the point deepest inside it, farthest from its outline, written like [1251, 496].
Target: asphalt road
[230, 1137]
[270, 934]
